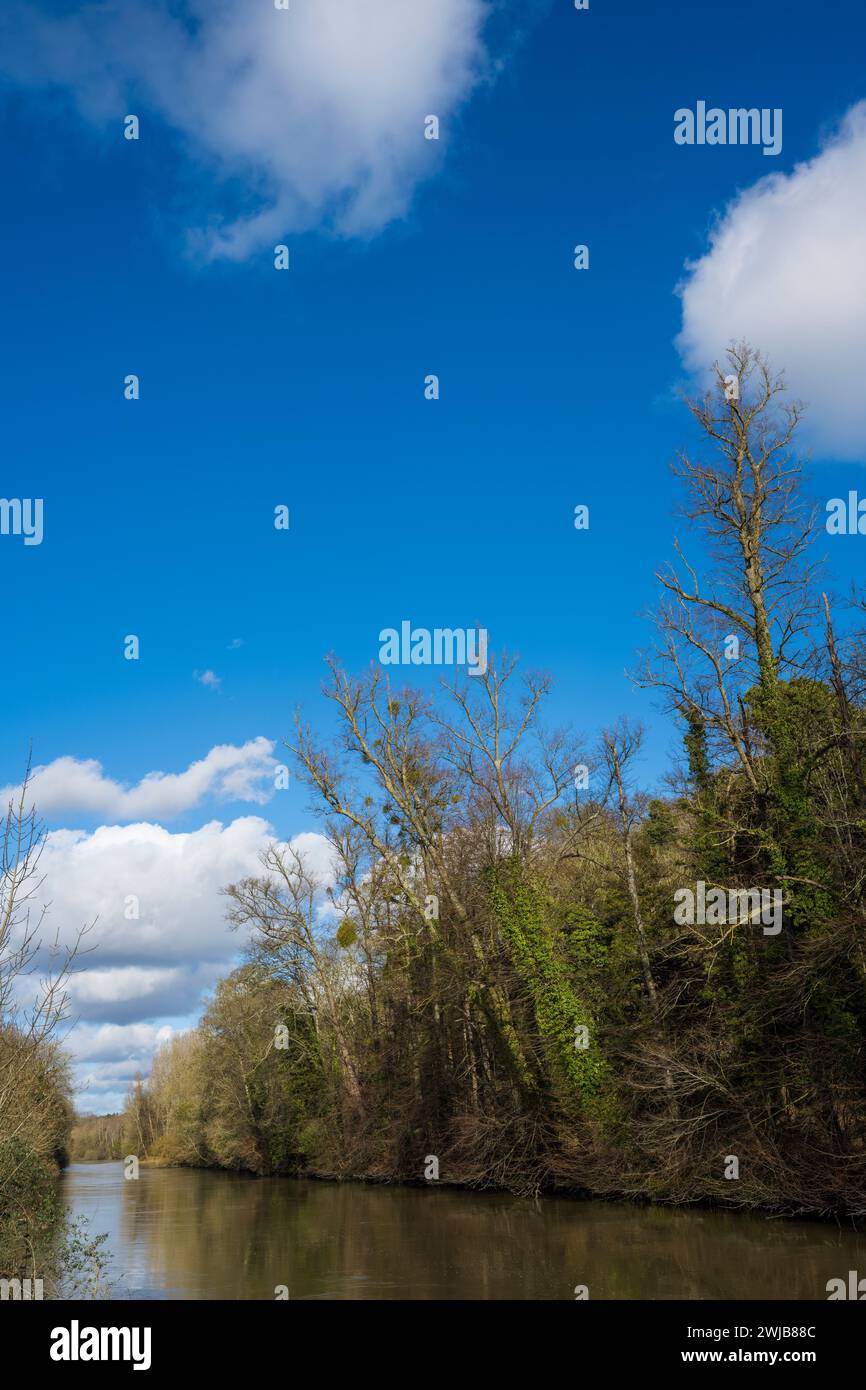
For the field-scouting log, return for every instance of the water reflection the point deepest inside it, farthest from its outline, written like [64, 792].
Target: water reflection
[177, 1233]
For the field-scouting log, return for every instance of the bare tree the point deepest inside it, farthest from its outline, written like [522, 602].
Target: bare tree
[32, 1009]
[517, 770]
[621, 745]
[741, 615]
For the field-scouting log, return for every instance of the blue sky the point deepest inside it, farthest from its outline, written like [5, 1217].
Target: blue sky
[305, 388]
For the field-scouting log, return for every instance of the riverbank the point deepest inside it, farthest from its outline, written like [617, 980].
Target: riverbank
[838, 1219]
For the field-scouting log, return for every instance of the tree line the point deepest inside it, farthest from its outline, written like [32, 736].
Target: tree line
[490, 973]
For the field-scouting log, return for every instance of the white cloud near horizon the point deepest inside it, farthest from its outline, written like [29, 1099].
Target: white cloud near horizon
[317, 110]
[157, 937]
[114, 1044]
[785, 270]
[106, 1059]
[234, 772]
[139, 975]
[154, 896]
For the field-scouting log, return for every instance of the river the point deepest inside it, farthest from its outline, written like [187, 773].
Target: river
[182, 1233]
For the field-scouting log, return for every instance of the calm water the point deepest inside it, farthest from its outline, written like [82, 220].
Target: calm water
[176, 1233]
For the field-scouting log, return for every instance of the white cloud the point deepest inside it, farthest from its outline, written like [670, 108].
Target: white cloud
[114, 1044]
[318, 110]
[106, 1059]
[99, 989]
[319, 856]
[208, 678]
[785, 270]
[242, 773]
[141, 975]
[171, 881]
[160, 938]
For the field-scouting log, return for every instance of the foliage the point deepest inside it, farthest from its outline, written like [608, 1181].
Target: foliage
[484, 919]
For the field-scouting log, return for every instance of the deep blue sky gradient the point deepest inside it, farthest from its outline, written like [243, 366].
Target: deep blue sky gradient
[557, 387]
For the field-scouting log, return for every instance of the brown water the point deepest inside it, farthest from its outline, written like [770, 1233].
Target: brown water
[177, 1233]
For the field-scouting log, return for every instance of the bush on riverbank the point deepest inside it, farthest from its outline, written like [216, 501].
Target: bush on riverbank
[37, 1243]
[35, 1120]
